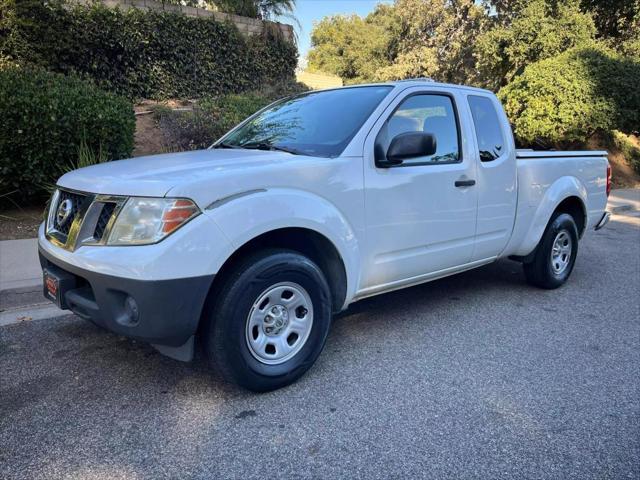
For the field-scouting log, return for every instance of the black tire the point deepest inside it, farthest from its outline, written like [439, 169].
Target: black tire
[225, 340]
[540, 270]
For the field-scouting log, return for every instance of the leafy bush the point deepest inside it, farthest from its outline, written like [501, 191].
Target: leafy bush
[85, 157]
[208, 120]
[565, 99]
[213, 117]
[143, 54]
[47, 118]
[629, 146]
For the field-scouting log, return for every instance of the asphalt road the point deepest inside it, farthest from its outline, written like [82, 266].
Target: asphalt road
[475, 376]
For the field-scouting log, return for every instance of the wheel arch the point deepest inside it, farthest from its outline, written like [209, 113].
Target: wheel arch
[574, 206]
[566, 195]
[303, 240]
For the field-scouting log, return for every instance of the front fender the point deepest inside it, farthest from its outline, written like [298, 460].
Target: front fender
[547, 200]
[245, 217]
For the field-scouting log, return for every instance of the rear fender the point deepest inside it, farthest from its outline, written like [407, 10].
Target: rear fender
[561, 189]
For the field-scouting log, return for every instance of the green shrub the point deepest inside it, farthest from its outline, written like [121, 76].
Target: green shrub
[143, 54]
[85, 157]
[213, 117]
[47, 118]
[566, 99]
[186, 130]
[629, 147]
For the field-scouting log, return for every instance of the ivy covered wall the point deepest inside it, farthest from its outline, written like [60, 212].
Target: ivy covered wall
[143, 53]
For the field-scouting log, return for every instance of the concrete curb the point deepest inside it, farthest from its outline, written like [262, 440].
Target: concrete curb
[32, 312]
[622, 208]
[26, 303]
[624, 200]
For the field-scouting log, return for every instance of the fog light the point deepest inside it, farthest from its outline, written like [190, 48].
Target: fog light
[131, 312]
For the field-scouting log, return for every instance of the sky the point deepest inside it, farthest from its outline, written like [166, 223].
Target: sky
[309, 11]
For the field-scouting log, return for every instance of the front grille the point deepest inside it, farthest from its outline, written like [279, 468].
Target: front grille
[61, 223]
[103, 221]
[91, 214]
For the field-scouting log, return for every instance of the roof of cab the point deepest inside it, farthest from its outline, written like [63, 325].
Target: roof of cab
[419, 82]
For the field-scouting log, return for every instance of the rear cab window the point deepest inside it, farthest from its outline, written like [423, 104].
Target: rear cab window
[487, 127]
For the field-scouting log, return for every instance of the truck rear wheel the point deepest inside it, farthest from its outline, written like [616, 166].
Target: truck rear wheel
[269, 321]
[555, 255]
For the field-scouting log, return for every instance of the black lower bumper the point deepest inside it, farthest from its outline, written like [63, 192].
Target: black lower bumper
[161, 312]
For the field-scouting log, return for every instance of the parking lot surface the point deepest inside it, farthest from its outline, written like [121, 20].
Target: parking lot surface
[474, 376]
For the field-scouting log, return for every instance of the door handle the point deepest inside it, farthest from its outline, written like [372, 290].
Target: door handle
[465, 183]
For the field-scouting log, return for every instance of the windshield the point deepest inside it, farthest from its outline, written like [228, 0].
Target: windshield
[316, 123]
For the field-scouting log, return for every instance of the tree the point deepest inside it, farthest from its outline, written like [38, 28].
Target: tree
[628, 42]
[540, 29]
[263, 9]
[436, 39]
[613, 18]
[350, 47]
[411, 38]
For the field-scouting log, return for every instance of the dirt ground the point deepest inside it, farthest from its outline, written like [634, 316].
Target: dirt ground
[149, 139]
[622, 173]
[18, 223]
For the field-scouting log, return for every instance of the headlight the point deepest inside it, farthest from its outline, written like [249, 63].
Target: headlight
[148, 220]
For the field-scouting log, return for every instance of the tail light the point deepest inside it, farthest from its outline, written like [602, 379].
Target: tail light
[608, 179]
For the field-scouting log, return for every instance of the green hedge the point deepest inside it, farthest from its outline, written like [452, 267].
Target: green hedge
[143, 54]
[567, 98]
[46, 117]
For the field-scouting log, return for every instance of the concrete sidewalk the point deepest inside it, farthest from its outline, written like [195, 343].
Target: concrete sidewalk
[21, 295]
[19, 265]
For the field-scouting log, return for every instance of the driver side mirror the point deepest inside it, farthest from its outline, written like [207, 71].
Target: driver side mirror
[408, 145]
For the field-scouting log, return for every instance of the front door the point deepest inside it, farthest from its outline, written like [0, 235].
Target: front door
[420, 215]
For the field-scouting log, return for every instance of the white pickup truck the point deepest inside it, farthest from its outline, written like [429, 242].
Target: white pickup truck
[313, 203]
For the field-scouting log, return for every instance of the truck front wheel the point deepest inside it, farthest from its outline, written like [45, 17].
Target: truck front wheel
[269, 320]
[555, 255]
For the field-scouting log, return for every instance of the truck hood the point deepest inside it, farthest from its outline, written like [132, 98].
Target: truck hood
[155, 175]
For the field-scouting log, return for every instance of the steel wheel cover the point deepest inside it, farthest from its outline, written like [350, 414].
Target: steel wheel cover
[279, 323]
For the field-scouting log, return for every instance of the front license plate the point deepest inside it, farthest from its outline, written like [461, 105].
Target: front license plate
[52, 287]
[56, 284]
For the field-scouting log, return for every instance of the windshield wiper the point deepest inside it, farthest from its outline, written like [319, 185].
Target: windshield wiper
[226, 145]
[269, 146]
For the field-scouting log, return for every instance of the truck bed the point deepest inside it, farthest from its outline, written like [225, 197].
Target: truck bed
[527, 153]
[542, 176]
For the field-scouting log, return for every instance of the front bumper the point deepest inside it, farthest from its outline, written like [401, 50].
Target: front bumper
[163, 312]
